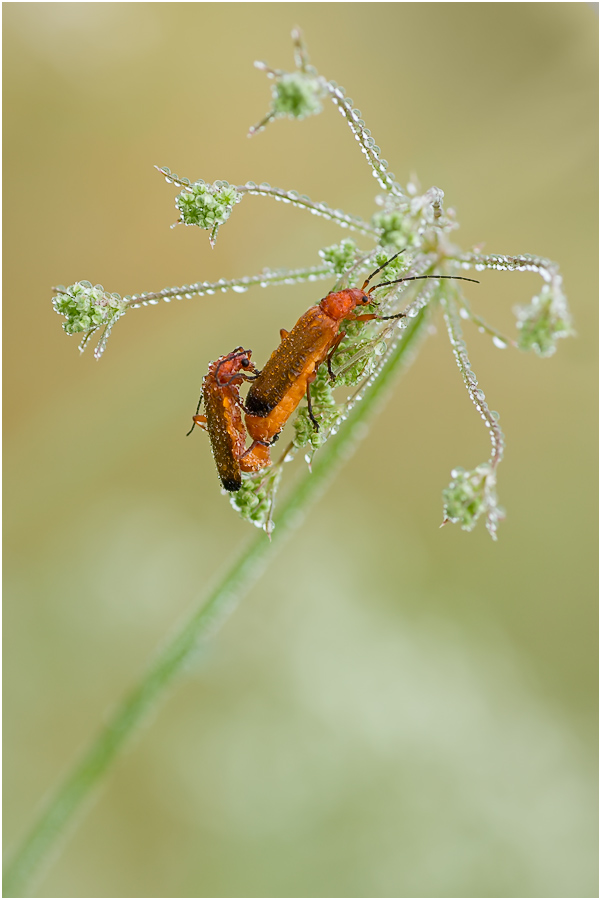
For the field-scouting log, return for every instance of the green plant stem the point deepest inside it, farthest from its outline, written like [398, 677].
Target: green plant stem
[178, 651]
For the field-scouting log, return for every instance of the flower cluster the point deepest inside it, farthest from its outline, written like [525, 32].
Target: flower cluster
[340, 256]
[471, 494]
[255, 499]
[394, 228]
[87, 308]
[207, 205]
[543, 321]
[325, 410]
[296, 95]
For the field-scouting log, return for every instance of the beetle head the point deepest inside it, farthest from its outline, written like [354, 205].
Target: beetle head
[233, 368]
[339, 305]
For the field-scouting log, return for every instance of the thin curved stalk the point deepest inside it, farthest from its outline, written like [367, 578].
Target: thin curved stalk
[60, 811]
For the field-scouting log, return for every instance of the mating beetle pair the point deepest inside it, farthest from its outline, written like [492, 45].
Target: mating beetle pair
[278, 388]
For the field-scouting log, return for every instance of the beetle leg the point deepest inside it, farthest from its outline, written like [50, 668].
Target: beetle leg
[255, 444]
[398, 316]
[198, 420]
[366, 317]
[255, 458]
[310, 408]
[332, 352]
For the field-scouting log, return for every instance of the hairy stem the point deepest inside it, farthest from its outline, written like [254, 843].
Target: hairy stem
[200, 288]
[318, 209]
[363, 135]
[180, 649]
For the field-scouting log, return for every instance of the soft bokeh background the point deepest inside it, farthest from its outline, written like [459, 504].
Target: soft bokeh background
[395, 709]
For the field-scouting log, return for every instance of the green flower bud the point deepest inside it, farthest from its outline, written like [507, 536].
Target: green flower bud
[304, 429]
[87, 308]
[325, 410]
[254, 501]
[296, 95]
[471, 494]
[340, 256]
[207, 205]
[544, 321]
[355, 361]
[397, 229]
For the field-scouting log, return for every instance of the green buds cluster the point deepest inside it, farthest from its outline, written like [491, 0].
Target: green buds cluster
[207, 205]
[354, 361]
[471, 494]
[405, 221]
[340, 256]
[87, 308]
[304, 430]
[393, 269]
[396, 229]
[251, 501]
[254, 501]
[325, 410]
[544, 321]
[296, 95]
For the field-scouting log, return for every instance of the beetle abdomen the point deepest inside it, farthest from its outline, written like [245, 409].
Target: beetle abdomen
[300, 353]
[224, 424]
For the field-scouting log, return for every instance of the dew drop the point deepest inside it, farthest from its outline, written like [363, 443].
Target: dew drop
[239, 288]
[499, 342]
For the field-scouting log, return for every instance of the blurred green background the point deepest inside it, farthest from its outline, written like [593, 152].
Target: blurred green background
[395, 709]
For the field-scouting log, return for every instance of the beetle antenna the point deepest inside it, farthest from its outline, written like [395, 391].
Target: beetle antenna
[366, 282]
[419, 278]
[196, 413]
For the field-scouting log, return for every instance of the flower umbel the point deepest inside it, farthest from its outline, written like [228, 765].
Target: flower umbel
[207, 205]
[408, 235]
[470, 495]
[544, 321]
[88, 308]
[85, 307]
[340, 256]
[295, 94]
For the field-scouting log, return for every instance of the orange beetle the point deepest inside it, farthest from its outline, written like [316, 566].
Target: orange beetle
[292, 367]
[223, 419]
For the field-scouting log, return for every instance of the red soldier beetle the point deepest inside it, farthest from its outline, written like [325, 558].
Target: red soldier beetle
[223, 418]
[292, 367]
